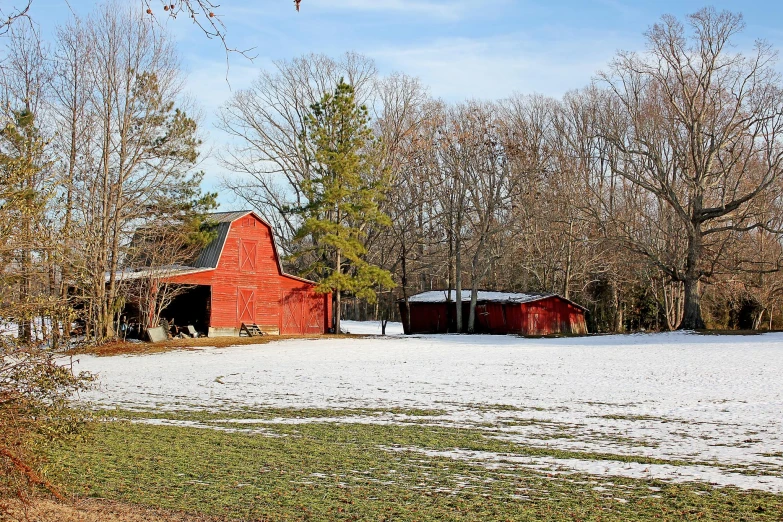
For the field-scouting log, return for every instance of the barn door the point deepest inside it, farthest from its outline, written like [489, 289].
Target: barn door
[292, 313]
[246, 305]
[315, 313]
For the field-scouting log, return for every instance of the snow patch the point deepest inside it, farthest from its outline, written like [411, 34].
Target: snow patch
[370, 328]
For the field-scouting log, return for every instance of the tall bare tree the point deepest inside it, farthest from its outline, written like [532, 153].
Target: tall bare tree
[142, 150]
[265, 123]
[698, 127]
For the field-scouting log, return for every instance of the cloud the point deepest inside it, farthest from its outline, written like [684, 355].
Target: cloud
[446, 10]
[497, 66]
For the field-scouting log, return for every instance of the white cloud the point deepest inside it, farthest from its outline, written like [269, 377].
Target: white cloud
[495, 67]
[443, 10]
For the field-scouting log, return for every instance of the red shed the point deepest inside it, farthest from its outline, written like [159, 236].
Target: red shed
[496, 313]
[238, 279]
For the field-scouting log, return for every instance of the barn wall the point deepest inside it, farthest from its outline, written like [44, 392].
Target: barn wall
[246, 283]
[302, 309]
[425, 318]
[552, 315]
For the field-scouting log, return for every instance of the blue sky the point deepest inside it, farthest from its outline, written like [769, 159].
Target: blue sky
[460, 49]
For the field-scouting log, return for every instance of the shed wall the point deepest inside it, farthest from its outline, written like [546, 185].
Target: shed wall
[546, 316]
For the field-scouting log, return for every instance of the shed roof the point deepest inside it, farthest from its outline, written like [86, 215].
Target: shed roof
[484, 296]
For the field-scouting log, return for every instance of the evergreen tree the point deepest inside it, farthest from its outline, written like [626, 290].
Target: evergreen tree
[24, 192]
[342, 191]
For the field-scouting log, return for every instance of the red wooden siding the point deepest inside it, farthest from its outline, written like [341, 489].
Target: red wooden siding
[549, 315]
[248, 286]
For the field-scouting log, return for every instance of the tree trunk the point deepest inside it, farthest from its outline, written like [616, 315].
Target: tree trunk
[474, 288]
[337, 304]
[404, 290]
[26, 318]
[618, 311]
[692, 319]
[569, 255]
[458, 282]
[770, 318]
[472, 314]
[449, 282]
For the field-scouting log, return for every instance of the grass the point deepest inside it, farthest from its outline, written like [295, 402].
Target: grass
[336, 471]
[615, 416]
[261, 413]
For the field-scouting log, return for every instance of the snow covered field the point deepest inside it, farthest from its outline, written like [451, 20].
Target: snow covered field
[715, 402]
[370, 328]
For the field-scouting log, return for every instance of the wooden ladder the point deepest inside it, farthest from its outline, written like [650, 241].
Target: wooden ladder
[250, 330]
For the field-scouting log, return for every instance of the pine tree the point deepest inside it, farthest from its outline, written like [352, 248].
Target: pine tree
[24, 192]
[343, 192]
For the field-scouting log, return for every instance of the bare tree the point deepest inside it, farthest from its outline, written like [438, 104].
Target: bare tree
[266, 122]
[72, 88]
[697, 127]
[486, 179]
[142, 150]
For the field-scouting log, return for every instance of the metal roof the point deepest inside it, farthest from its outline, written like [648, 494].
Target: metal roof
[160, 272]
[228, 217]
[209, 257]
[483, 296]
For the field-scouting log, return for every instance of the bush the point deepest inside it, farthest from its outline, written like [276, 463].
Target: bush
[35, 411]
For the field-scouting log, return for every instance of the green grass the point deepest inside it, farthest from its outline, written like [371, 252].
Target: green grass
[260, 413]
[335, 471]
[615, 416]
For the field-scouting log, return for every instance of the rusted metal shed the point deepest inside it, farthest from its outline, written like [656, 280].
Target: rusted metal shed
[238, 278]
[496, 313]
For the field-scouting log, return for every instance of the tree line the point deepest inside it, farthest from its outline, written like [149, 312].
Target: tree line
[651, 196]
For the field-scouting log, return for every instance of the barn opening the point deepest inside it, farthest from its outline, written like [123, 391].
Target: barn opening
[191, 307]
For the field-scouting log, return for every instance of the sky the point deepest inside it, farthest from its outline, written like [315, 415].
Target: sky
[459, 49]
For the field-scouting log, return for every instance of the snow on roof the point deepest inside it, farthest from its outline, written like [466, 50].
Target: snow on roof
[439, 296]
[162, 271]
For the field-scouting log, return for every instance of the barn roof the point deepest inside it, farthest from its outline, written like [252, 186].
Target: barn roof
[484, 296]
[210, 256]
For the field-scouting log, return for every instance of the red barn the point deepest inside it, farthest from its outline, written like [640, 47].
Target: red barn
[496, 313]
[238, 279]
